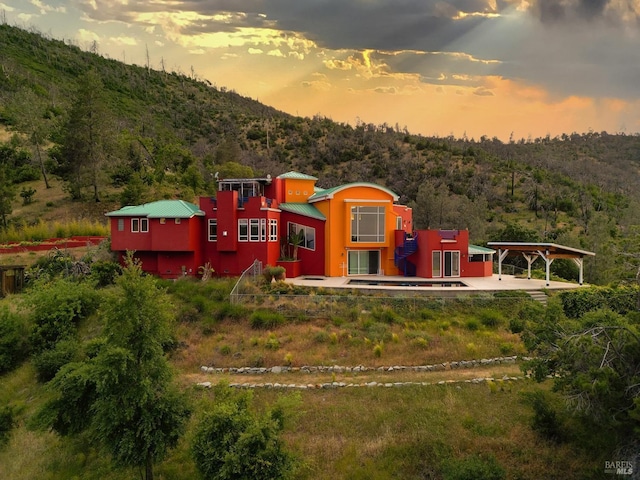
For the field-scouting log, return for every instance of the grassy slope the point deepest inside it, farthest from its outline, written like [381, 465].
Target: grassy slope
[409, 433]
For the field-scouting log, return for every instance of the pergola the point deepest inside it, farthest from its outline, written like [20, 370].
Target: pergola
[547, 251]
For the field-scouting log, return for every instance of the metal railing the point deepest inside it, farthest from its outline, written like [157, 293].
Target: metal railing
[322, 305]
[248, 277]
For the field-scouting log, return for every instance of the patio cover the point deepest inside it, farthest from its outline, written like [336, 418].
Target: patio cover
[547, 251]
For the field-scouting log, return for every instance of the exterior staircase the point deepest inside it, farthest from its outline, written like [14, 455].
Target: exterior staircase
[400, 257]
[538, 296]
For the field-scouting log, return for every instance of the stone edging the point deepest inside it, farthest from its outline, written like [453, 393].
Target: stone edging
[361, 368]
[329, 385]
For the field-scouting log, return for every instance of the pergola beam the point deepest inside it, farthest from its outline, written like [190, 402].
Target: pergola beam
[548, 251]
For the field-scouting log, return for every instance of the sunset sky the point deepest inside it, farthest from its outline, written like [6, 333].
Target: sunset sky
[499, 68]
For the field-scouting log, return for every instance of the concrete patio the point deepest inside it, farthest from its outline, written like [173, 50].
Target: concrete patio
[415, 285]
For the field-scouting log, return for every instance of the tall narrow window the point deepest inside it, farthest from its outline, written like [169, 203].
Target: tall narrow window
[121, 224]
[243, 230]
[144, 225]
[135, 225]
[254, 230]
[273, 230]
[263, 229]
[213, 230]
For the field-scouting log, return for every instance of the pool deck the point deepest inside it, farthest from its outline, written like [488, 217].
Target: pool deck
[471, 284]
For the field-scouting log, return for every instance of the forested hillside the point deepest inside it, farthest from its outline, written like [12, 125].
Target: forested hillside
[121, 134]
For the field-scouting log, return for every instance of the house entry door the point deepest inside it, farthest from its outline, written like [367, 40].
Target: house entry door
[451, 264]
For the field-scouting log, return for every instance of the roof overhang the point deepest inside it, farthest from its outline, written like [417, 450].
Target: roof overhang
[550, 250]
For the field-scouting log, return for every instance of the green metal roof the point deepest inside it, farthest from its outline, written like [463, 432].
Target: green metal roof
[296, 176]
[329, 192]
[476, 250]
[302, 209]
[160, 209]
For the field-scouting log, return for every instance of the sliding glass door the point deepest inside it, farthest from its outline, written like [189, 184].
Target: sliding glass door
[364, 262]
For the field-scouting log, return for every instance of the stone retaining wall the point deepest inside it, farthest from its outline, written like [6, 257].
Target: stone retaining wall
[358, 369]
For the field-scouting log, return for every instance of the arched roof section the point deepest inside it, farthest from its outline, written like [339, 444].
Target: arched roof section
[330, 192]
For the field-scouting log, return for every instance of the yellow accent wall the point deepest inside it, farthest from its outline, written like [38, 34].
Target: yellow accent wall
[338, 242]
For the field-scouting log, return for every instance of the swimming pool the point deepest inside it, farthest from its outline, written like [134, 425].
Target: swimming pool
[407, 283]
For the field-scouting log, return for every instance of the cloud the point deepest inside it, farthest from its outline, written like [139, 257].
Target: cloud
[569, 11]
[44, 9]
[562, 47]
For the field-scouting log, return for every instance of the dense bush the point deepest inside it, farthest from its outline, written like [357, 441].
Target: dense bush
[620, 299]
[545, 420]
[232, 442]
[56, 308]
[105, 272]
[14, 343]
[50, 361]
[265, 319]
[6, 424]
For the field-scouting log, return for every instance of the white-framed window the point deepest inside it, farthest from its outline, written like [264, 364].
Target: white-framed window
[243, 230]
[398, 223]
[213, 229]
[273, 230]
[263, 229]
[254, 230]
[121, 224]
[139, 225]
[367, 224]
[309, 235]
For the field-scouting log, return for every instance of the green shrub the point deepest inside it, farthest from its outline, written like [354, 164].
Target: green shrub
[6, 424]
[265, 319]
[270, 272]
[474, 468]
[490, 318]
[49, 362]
[472, 324]
[516, 325]
[545, 420]
[321, 337]
[234, 442]
[506, 348]
[272, 342]
[385, 315]
[105, 272]
[378, 349]
[14, 340]
[57, 307]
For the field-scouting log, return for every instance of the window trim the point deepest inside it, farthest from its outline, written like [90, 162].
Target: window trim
[213, 222]
[254, 235]
[292, 227]
[273, 230]
[380, 215]
[243, 222]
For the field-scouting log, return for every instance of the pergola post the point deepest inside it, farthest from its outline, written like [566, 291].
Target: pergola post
[580, 263]
[548, 262]
[501, 256]
[530, 259]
